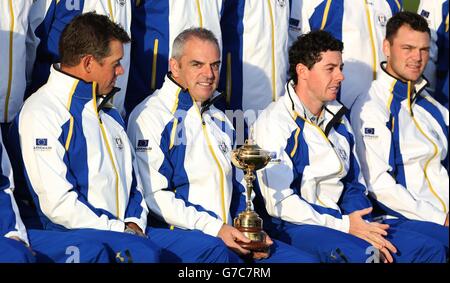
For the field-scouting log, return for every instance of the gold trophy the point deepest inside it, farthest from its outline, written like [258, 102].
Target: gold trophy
[250, 157]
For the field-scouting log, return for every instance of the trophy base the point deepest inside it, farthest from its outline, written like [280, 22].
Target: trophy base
[257, 237]
[253, 246]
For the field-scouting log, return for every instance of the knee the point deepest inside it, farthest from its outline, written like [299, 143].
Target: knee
[429, 251]
[16, 253]
[88, 252]
[139, 252]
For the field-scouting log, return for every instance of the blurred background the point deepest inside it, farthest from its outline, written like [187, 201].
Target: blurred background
[411, 5]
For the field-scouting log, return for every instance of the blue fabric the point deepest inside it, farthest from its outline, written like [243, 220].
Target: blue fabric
[393, 5]
[427, 229]
[12, 251]
[94, 246]
[441, 93]
[335, 17]
[353, 197]
[150, 21]
[202, 248]
[189, 246]
[62, 247]
[232, 29]
[49, 32]
[335, 246]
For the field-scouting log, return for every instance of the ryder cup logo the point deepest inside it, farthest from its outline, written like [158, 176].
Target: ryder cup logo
[223, 147]
[382, 20]
[281, 3]
[121, 2]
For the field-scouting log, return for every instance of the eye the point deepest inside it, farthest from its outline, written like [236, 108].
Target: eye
[215, 66]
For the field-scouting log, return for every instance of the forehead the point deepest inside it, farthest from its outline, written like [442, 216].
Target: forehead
[406, 35]
[200, 50]
[115, 50]
[330, 57]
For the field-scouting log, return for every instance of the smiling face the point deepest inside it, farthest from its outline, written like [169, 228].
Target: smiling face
[321, 83]
[408, 54]
[198, 68]
[106, 71]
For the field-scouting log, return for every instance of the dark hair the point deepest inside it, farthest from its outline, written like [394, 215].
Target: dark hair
[413, 20]
[307, 48]
[89, 33]
[187, 34]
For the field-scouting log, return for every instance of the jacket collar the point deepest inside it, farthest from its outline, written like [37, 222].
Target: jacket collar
[333, 110]
[64, 82]
[400, 88]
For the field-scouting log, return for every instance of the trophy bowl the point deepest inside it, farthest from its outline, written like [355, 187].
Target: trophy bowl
[250, 157]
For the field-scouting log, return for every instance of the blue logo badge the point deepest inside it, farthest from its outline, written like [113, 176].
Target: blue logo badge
[41, 142]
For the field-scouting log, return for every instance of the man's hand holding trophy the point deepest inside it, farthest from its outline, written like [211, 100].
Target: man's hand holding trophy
[250, 157]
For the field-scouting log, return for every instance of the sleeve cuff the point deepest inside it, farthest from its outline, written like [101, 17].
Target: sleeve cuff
[212, 228]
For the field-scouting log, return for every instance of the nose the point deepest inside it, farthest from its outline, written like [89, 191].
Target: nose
[416, 54]
[339, 75]
[119, 70]
[208, 71]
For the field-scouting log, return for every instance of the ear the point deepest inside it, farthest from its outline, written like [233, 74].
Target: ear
[302, 71]
[386, 48]
[174, 67]
[87, 63]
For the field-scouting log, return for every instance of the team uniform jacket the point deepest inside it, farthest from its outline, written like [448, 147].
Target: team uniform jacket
[47, 21]
[77, 161]
[436, 72]
[360, 25]
[154, 26]
[13, 31]
[10, 222]
[314, 175]
[183, 154]
[255, 53]
[402, 142]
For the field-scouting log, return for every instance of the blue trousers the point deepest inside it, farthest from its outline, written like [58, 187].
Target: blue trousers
[433, 232]
[191, 246]
[283, 253]
[12, 251]
[66, 247]
[335, 246]
[123, 247]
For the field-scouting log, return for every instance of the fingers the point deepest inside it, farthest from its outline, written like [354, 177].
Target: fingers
[378, 228]
[239, 236]
[364, 211]
[386, 256]
[390, 246]
[238, 249]
[269, 241]
[261, 255]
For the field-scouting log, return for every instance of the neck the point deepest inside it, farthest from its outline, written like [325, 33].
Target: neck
[313, 105]
[75, 71]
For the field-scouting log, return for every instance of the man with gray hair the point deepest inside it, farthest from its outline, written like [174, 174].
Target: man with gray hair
[183, 146]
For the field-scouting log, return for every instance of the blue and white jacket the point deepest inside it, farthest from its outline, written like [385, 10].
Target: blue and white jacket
[255, 53]
[183, 152]
[436, 72]
[77, 160]
[48, 18]
[10, 222]
[13, 32]
[314, 176]
[402, 142]
[154, 26]
[360, 25]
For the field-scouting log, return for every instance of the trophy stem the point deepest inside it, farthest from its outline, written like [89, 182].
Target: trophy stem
[249, 178]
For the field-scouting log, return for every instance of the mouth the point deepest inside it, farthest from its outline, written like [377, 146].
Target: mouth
[205, 84]
[414, 67]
